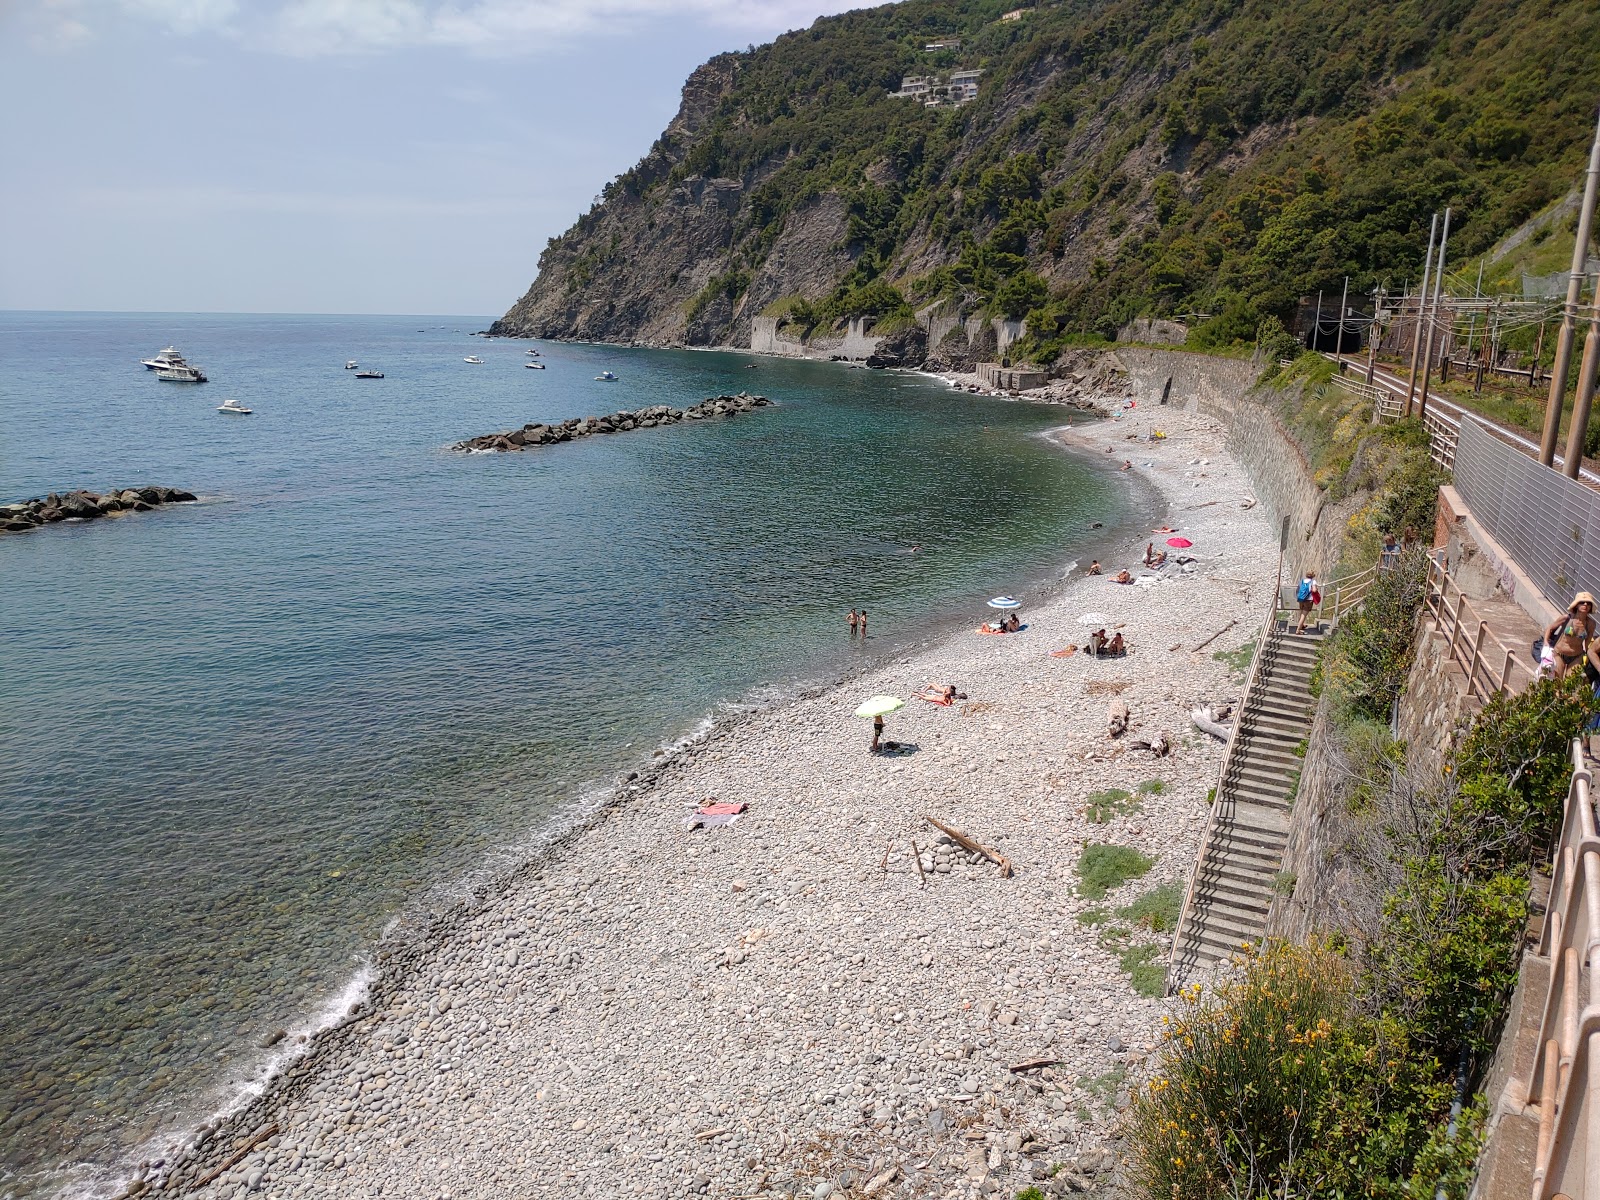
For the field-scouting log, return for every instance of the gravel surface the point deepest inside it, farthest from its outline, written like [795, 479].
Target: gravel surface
[787, 1005]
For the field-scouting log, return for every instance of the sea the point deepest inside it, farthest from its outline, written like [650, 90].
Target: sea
[241, 739]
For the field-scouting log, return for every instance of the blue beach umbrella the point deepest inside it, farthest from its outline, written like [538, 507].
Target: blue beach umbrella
[1005, 602]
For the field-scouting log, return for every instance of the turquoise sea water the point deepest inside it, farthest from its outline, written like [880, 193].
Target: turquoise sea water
[237, 738]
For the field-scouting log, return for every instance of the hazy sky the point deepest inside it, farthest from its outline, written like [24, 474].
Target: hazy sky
[327, 155]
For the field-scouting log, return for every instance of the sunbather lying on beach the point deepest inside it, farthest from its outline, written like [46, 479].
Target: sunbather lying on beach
[1122, 577]
[944, 696]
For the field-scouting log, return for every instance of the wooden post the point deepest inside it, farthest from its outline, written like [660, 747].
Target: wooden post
[1438, 292]
[1416, 332]
[1477, 649]
[1505, 672]
[1569, 311]
[1578, 433]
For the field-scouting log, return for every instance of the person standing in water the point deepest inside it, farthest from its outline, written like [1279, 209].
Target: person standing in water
[853, 620]
[863, 624]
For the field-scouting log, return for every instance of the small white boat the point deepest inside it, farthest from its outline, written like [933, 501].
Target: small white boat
[533, 366]
[606, 377]
[532, 353]
[369, 373]
[351, 364]
[166, 359]
[233, 406]
[184, 374]
[473, 358]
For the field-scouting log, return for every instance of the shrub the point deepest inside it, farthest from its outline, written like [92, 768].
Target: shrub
[1103, 866]
[1447, 955]
[1513, 769]
[1374, 645]
[1152, 787]
[1281, 1086]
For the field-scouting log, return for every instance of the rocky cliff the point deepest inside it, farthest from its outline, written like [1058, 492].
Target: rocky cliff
[1135, 158]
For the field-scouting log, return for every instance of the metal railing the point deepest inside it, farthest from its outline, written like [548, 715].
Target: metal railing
[1564, 1084]
[1268, 628]
[1489, 664]
[1342, 596]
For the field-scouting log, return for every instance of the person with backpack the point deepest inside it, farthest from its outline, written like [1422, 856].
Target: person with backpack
[1308, 598]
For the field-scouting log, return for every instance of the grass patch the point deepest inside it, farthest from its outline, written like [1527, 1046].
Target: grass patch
[1283, 882]
[1237, 661]
[1093, 916]
[1104, 1088]
[1103, 866]
[1145, 970]
[1152, 787]
[1114, 802]
[1157, 910]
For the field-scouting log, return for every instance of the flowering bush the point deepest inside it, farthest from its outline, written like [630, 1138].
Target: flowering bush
[1279, 1085]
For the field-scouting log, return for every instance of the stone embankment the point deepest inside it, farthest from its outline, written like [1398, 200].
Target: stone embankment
[85, 506]
[537, 433]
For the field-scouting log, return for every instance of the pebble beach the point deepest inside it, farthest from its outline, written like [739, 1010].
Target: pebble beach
[799, 1003]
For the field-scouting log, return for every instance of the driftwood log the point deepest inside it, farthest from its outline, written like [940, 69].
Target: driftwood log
[1117, 718]
[972, 847]
[1205, 720]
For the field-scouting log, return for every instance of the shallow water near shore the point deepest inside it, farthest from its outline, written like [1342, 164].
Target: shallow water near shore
[241, 736]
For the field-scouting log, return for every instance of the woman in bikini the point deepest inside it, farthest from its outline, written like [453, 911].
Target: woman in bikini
[1570, 636]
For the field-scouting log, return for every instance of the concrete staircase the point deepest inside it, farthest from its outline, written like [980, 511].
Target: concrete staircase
[1239, 862]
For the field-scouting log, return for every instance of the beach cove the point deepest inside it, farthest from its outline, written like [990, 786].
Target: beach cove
[788, 1005]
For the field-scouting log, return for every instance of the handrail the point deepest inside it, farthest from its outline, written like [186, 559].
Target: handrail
[1564, 1082]
[1489, 664]
[1267, 630]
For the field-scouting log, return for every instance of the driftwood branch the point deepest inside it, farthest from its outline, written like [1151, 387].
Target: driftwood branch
[238, 1155]
[1217, 634]
[916, 855]
[966, 843]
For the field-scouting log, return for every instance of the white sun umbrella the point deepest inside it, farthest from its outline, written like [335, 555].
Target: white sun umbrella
[1005, 602]
[1093, 618]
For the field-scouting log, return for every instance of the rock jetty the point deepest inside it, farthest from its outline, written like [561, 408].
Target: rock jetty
[536, 433]
[85, 506]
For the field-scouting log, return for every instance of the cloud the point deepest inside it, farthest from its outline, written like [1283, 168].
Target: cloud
[510, 28]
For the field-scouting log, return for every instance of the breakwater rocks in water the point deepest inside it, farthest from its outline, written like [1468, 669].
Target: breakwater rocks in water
[537, 433]
[85, 506]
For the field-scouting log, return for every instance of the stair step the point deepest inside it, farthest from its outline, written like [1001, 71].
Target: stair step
[1248, 895]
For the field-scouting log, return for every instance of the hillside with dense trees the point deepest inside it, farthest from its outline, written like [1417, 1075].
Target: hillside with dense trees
[1122, 159]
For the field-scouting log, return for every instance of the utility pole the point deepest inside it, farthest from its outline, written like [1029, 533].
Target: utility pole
[1344, 301]
[1416, 333]
[1316, 324]
[1581, 403]
[1438, 289]
[1569, 311]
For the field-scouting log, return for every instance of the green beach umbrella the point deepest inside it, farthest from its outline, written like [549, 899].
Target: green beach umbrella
[877, 706]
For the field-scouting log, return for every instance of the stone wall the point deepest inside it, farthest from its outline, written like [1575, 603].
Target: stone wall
[1278, 470]
[856, 344]
[1435, 704]
[1316, 832]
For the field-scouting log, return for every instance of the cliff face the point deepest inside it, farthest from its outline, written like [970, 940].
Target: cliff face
[1121, 159]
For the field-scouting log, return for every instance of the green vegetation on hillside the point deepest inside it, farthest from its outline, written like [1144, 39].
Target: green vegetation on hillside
[1146, 157]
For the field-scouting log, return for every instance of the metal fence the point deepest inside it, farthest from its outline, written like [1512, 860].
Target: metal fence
[1564, 1089]
[1548, 525]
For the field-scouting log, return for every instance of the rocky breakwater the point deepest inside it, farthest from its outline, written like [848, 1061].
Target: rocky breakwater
[85, 506]
[536, 433]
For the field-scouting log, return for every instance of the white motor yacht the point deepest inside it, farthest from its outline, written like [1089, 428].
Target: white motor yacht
[187, 373]
[170, 357]
[233, 406]
[606, 377]
[350, 364]
[473, 358]
[532, 353]
[533, 366]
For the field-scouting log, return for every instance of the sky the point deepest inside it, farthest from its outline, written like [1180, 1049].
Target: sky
[327, 156]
